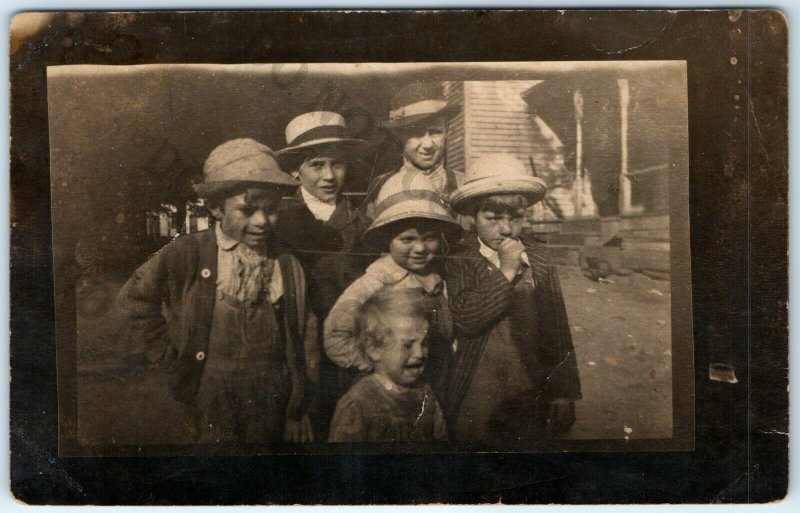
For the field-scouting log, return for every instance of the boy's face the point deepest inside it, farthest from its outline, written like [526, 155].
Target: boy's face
[414, 250]
[494, 227]
[323, 177]
[402, 355]
[424, 143]
[250, 217]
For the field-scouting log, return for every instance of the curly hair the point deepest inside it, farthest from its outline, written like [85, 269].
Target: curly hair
[373, 321]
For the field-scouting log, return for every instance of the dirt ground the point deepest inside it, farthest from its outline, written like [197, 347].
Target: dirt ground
[622, 337]
[621, 333]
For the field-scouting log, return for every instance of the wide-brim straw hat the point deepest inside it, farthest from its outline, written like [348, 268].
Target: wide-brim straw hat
[242, 163]
[317, 130]
[417, 102]
[498, 174]
[409, 195]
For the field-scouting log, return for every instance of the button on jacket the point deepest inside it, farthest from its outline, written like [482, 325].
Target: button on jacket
[183, 277]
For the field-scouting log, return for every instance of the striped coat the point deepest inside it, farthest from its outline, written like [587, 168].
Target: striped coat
[480, 297]
[378, 182]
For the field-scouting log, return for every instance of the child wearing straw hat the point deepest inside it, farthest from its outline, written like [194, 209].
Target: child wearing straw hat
[513, 373]
[411, 228]
[418, 118]
[321, 228]
[233, 335]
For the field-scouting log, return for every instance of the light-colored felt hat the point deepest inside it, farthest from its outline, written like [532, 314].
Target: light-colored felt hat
[498, 174]
[242, 162]
[409, 195]
[315, 129]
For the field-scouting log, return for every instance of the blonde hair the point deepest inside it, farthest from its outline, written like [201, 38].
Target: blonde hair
[373, 325]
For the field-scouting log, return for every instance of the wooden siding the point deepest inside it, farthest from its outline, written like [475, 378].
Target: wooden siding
[454, 156]
[498, 120]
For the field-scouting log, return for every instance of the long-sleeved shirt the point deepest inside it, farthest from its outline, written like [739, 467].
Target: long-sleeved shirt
[322, 247]
[377, 410]
[341, 326]
[481, 296]
[182, 278]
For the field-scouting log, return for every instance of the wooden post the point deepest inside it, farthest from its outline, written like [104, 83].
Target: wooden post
[577, 188]
[624, 181]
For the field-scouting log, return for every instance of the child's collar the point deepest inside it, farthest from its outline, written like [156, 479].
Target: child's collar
[492, 256]
[388, 384]
[223, 241]
[390, 272]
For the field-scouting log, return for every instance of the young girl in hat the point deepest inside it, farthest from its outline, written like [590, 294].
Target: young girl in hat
[411, 228]
[418, 120]
[321, 228]
[234, 333]
[513, 374]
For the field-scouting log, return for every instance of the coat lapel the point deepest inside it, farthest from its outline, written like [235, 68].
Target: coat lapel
[342, 217]
[538, 264]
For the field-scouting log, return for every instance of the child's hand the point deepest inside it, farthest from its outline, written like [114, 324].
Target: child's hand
[561, 416]
[510, 253]
[299, 431]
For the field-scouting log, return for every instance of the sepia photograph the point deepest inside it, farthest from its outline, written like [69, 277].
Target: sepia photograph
[367, 257]
[315, 257]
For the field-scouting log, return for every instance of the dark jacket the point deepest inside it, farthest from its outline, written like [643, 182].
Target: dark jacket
[182, 277]
[480, 296]
[322, 248]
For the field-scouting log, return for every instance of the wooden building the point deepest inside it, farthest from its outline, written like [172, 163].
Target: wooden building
[604, 145]
[605, 137]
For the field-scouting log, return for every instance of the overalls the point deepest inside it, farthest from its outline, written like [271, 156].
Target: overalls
[245, 383]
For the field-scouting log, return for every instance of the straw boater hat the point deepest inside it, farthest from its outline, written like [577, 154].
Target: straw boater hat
[407, 196]
[314, 129]
[242, 162]
[417, 102]
[498, 174]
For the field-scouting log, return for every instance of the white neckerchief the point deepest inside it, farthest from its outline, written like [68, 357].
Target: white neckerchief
[321, 210]
[227, 280]
[492, 256]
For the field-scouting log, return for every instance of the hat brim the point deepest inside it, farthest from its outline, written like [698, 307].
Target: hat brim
[422, 210]
[350, 144]
[531, 187]
[205, 190]
[376, 235]
[353, 148]
[407, 121]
